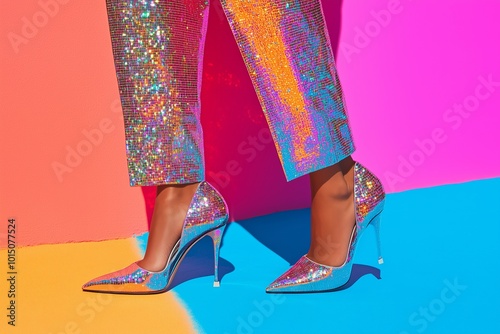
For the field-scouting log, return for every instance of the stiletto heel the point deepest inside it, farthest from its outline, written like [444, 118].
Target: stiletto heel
[309, 276]
[376, 226]
[207, 215]
[216, 236]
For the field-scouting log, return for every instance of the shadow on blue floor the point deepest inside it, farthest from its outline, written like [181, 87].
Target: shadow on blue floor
[441, 246]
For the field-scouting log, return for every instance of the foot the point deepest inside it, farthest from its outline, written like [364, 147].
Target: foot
[192, 211]
[326, 266]
[332, 213]
[171, 205]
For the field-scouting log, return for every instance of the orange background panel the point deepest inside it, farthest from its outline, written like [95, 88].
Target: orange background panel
[49, 298]
[61, 90]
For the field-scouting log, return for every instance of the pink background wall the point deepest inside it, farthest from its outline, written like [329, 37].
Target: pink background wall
[415, 75]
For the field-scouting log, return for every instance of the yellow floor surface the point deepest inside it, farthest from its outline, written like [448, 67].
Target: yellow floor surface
[49, 300]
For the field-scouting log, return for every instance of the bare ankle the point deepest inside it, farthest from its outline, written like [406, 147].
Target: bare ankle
[176, 192]
[346, 165]
[335, 189]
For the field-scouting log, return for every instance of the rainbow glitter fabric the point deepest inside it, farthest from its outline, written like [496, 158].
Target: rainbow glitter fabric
[287, 51]
[158, 52]
[207, 215]
[309, 276]
[369, 195]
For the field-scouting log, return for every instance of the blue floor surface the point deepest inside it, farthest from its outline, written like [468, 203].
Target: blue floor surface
[441, 247]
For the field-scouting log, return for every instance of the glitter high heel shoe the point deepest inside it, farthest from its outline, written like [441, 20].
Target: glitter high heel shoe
[309, 276]
[207, 215]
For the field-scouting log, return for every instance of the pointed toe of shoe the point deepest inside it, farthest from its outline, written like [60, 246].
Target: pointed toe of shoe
[291, 280]
[285, 283]
[130, 280]
[125, 288]
[303, 276]
[277, 286]
[97, 286]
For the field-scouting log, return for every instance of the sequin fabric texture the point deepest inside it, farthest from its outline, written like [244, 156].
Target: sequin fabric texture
[132, 279]
[303, 272]
[207, 212]
[368, 193]
[287, 51]
[158, 51]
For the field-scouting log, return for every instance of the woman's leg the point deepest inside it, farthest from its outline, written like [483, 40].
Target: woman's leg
[287, 52]
[171, 205]
[158, 53]
[332, 212]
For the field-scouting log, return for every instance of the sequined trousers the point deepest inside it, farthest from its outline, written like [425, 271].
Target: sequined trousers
[158, 48]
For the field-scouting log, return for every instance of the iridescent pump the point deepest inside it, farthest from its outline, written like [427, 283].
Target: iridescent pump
[207, 215]
[309, 276]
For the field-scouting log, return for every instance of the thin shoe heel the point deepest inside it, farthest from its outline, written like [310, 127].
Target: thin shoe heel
[216, 236]
[376, 225]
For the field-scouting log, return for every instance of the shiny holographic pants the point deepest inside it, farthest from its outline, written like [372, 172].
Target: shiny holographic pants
[158, 51]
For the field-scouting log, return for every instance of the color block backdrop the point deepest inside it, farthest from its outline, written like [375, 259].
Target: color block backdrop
[421, 78]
